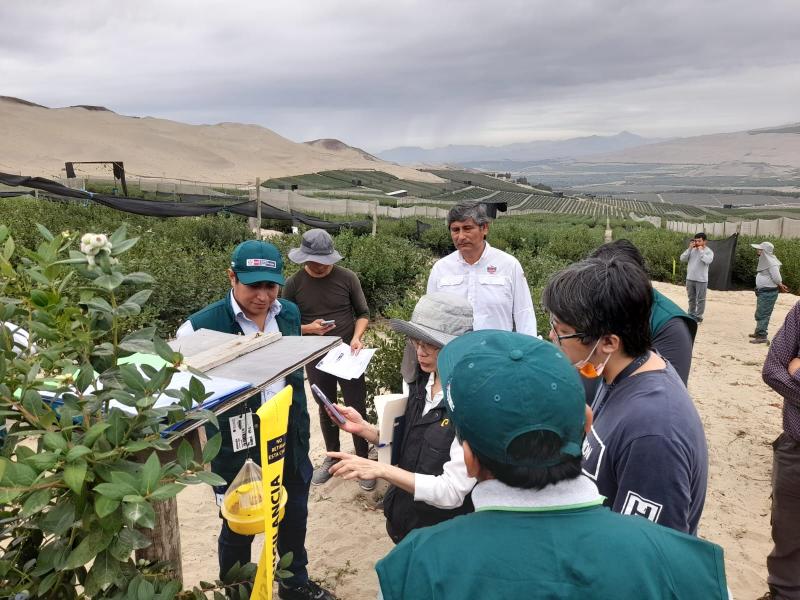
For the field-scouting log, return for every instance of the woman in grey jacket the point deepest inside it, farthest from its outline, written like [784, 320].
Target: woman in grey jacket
[768, 284]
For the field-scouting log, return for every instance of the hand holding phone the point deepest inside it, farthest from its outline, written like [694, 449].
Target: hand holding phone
[328, 323]
[327, 404]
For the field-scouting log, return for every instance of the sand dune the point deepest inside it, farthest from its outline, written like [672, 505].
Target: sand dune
[35, 140]
[741, 415]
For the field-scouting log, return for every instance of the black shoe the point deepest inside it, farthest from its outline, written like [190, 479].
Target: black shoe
[760, 340]
[752, 335]
[308, 591]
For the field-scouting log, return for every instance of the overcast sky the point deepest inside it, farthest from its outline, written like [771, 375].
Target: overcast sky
[385, 73]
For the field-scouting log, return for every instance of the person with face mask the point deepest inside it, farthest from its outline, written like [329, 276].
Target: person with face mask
[646, 449]
[768, 284]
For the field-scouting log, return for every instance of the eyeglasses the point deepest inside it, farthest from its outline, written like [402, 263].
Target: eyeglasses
[424, 347]
[563, 337]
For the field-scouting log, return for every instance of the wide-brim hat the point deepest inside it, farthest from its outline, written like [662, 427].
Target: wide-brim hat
[316, 246]
[438, 319]
[765, 246]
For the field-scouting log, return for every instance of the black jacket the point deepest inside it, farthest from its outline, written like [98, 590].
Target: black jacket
[425, 448]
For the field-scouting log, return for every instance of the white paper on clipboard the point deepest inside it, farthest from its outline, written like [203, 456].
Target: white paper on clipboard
[342, 363]
[391, 410]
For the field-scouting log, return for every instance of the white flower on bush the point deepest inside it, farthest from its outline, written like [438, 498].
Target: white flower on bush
[94, 243]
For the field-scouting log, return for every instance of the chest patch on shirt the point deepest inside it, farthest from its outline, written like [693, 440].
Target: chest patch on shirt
[491, 269]
[640, 506]
[593, 451]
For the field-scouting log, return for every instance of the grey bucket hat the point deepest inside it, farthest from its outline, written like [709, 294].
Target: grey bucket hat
[317, 246]
[437, 319]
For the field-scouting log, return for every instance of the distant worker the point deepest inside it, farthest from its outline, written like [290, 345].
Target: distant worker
[673, 331]
[429, 483]
[781, 372]
[768, 284]
[647, 449]
[490, 279]
[252, 305]
[331, 301]
[699, 257]
[539, 529]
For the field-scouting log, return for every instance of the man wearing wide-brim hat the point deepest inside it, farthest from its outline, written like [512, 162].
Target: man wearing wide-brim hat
[331, 302]
[768, 284]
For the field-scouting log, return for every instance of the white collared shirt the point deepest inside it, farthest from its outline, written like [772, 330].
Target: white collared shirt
[248, 327]
[449, 489]
[495, 286]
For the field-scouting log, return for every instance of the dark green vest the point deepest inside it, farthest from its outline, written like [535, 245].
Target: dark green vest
[665, 309]
[219, 317]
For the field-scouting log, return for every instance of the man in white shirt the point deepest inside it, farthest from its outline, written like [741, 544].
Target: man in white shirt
[491, 280]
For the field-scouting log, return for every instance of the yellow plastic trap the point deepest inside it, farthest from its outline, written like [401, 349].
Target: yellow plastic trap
[243, 505]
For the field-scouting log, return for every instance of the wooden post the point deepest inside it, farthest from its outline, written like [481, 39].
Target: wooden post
[258, 207]
[375, 219]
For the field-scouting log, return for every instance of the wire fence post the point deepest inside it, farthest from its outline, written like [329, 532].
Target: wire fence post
[258, 207]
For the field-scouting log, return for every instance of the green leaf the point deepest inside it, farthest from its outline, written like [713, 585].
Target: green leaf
[94, 433]
[104, 572]
[151, 474]
[123, 246]
[286, 560]
[139, 513]
[77, 452]
[44, 461]
[89, 547]
[119, 235]
[59, 519]
[133, 305]
[170, 590]
[36, 502]
[139, 341]
[117, 427]
[210, 478]
[84, 379]
[98, 304]
[104, 506]
[8, 248]
[74, 475]
[185, 454]
[133, 498]
[110, 281]
[126, 541]
[138, 446]
[18, 474]
[44, 232]
[205, 585]
[169, 490]
[138, 277]
[283, 574]
[211, 449]
[115, 491]
[163, 350]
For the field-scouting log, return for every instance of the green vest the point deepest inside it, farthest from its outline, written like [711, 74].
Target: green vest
[219, 317]
[665, 309]
[569, 553]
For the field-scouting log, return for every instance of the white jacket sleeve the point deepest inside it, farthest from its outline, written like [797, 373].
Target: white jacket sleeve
[449, 489]
[707, 256]
[524, 314]
[185, 329]
[685, 256]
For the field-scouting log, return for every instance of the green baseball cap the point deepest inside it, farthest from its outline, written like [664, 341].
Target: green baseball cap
[499, 385]
[254, 261]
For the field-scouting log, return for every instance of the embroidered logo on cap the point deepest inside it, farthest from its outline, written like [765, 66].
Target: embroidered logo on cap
[491, 269]
[261, 262]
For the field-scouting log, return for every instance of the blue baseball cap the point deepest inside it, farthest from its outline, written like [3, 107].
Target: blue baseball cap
[255, 261]
[499, 385]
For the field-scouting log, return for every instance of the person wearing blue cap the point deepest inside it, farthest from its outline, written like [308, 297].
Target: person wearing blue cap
[252, 305]
[539, 529]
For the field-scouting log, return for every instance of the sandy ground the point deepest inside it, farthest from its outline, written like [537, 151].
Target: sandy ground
[741, 416]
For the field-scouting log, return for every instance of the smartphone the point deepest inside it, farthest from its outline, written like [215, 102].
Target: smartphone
[328, 323]
[327, 403]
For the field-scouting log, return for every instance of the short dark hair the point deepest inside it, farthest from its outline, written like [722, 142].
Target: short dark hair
[464, 211]
[620, 249]
[535, 445]
[603, 296]
[700, 236]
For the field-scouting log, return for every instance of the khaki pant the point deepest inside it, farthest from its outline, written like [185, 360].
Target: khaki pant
[783, 563]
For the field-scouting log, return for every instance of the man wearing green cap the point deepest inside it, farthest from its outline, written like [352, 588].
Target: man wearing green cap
[252, 305]
[539, 529]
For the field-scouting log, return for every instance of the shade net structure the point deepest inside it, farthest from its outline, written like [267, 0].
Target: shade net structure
[177, 209]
